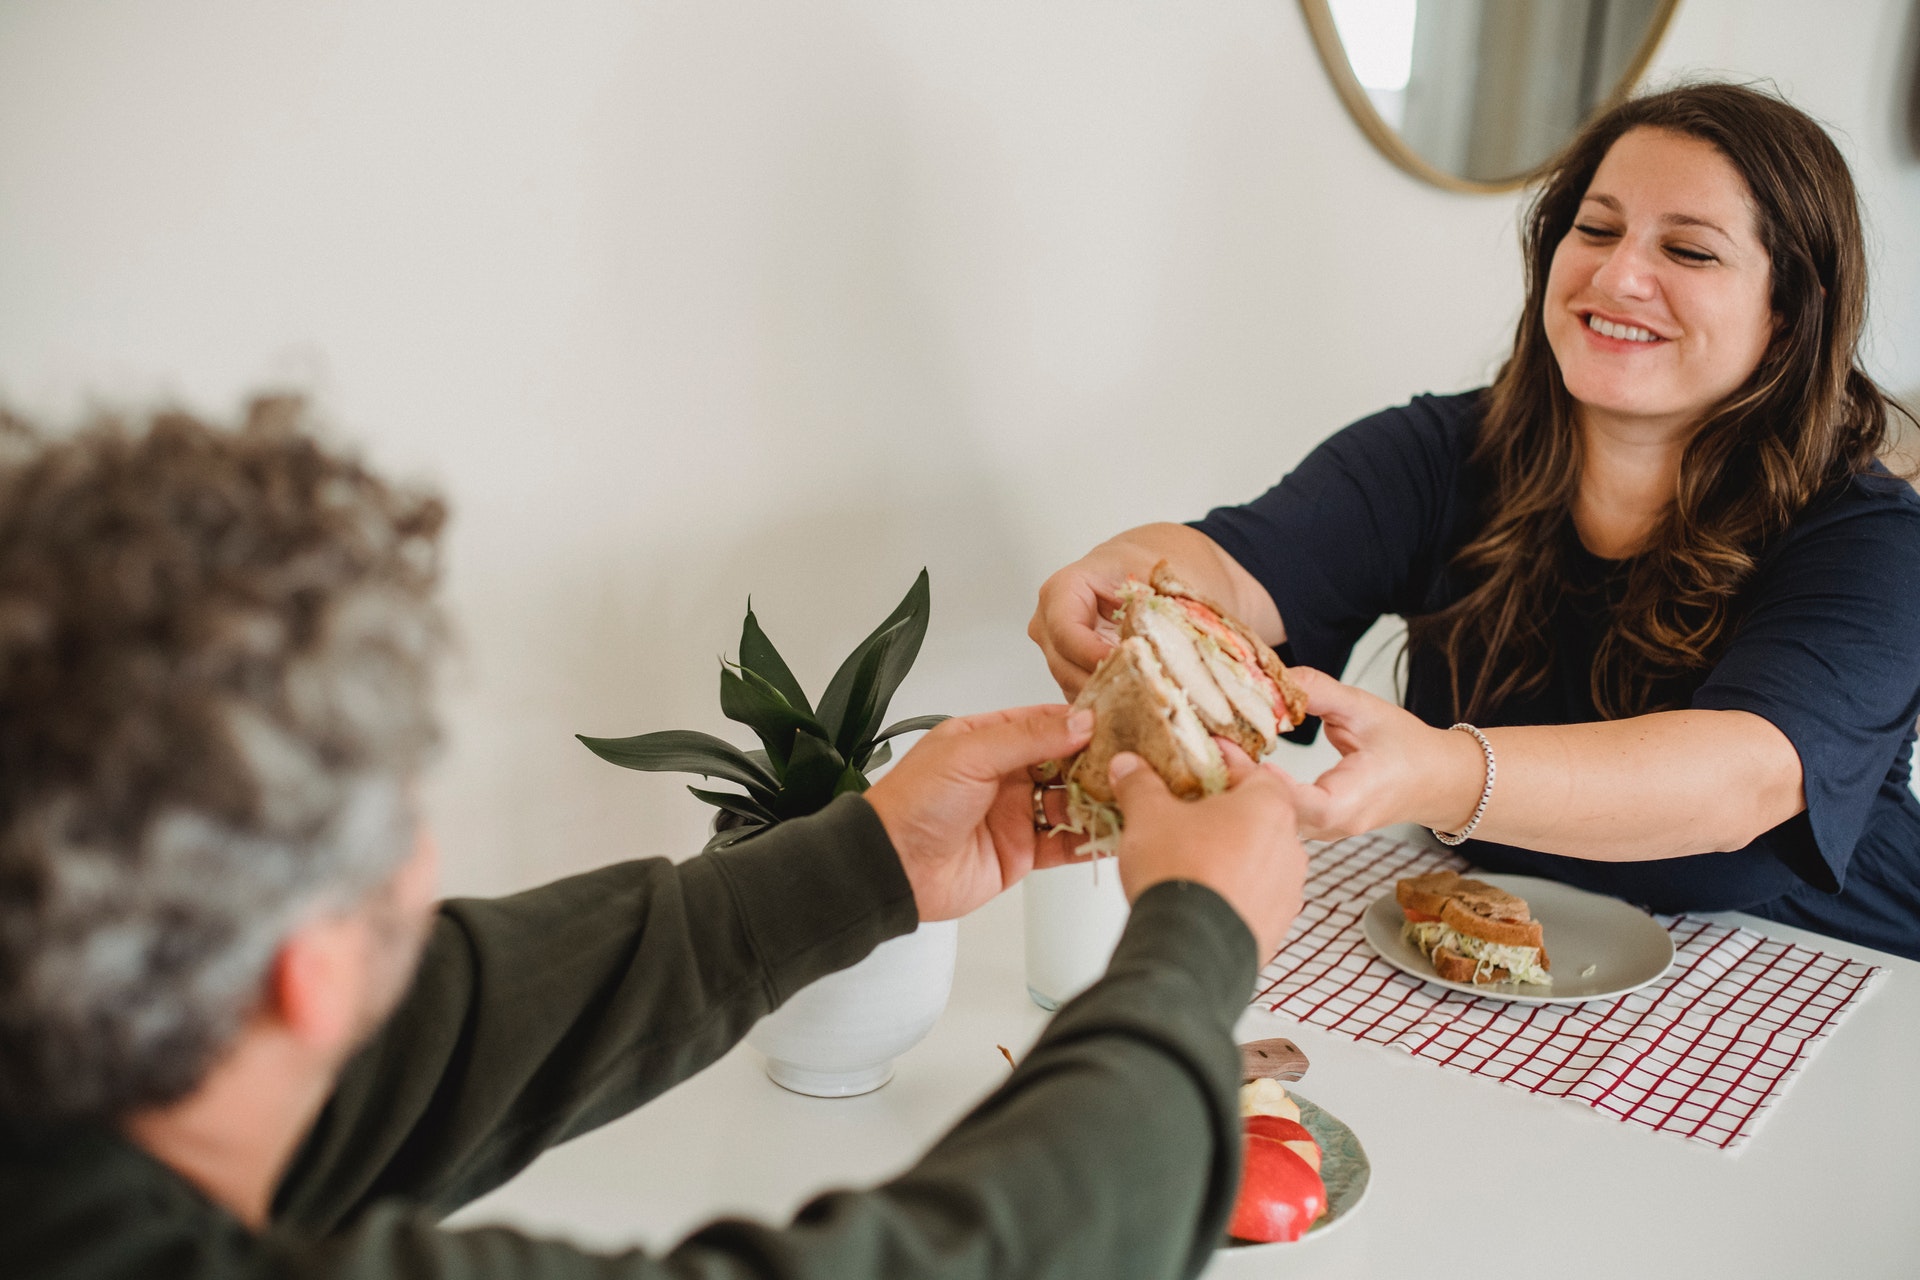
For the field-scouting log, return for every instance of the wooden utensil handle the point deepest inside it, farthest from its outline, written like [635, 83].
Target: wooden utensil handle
[1275, 1059]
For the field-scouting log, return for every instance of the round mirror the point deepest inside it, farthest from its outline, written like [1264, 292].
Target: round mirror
[1476, 95]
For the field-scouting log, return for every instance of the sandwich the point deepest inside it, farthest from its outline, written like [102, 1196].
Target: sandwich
[1183, 672]
[1471, 931]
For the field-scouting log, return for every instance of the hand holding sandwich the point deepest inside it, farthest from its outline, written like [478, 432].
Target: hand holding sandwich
[957, 806]
[1668, 784]
[1071, 623]
[1242, 843]
[1394, 766]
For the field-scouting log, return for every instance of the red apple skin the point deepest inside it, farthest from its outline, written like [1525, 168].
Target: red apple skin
[1280, 1194]
[1291, 1132]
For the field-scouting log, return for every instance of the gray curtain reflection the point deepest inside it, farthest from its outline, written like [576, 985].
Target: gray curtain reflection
[1498, 86]
[1912, 121]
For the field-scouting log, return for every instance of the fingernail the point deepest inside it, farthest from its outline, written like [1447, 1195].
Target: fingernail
[1122, 765]
[1081, 721]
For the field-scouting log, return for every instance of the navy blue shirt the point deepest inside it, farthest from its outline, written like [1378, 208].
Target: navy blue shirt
[1826, 648]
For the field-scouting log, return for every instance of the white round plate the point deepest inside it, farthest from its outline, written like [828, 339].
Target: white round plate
[1344, 1168]
[1623, 946]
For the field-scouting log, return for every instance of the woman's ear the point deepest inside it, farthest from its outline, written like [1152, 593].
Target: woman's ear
[1780, 320]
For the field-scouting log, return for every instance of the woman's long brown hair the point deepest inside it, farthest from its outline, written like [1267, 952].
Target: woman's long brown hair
[1806, 419]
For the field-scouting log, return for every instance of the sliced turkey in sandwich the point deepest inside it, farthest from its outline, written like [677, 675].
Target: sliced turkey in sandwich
[1472, 931]
[1183, 672]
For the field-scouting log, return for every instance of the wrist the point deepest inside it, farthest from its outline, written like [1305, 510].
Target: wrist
[1458, 776]
[881, 799]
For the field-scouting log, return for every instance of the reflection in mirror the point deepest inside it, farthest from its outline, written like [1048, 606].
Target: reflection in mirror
[1912, 63]
[1479, 93]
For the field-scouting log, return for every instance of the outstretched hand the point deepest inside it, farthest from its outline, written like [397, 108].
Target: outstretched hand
[959, 806]
[1394, 767]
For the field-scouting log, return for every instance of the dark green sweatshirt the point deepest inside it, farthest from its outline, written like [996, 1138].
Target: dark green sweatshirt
[1112, 1151]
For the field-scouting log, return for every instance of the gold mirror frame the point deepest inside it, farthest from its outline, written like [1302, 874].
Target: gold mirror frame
[1333, 55]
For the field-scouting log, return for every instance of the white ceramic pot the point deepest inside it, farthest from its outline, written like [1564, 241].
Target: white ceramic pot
[1074, 916]
[839, 1036]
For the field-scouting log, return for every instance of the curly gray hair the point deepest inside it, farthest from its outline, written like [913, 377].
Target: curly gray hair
[216, 651]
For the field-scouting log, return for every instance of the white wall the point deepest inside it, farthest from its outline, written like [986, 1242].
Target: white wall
[682, 301]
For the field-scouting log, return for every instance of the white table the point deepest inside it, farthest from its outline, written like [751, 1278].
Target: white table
[1830, 1186]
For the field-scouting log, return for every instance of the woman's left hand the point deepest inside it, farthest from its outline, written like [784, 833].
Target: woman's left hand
[1394, 767]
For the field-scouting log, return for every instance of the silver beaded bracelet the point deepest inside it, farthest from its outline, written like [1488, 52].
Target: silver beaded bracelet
[1486, 792]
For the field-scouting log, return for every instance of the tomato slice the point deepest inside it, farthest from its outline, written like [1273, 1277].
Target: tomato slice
[1229, 640]
[1419, 917]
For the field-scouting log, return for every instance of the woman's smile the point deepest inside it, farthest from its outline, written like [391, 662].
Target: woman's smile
[1610, 329]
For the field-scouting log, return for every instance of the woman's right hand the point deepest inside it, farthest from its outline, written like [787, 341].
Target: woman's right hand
[1073, 623]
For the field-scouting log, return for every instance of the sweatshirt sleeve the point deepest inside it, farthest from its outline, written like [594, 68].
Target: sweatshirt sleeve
[537, 1017]
[1112, 1151]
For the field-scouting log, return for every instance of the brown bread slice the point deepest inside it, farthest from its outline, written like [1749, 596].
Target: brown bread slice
[1426, 894]
[1454, 967]
[1483, 899]
[1132, 712]
[1506, 933]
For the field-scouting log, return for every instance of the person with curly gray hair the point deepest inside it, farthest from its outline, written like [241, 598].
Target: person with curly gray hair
[214, 662]
[238, 1036]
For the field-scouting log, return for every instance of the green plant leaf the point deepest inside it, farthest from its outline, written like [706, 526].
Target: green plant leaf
[758, 655]
[851, 780]
[745, 806]
[813, 771]
[686, 751]
[878, 750]
[726, 839]
[862, 693]
[909, 725]
[747, 697]
[856, 698]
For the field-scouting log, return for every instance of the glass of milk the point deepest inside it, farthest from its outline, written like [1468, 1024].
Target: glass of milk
[1074, 915]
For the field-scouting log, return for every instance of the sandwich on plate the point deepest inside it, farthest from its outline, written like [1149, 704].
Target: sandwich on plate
[1471, 931]
[1183, 672]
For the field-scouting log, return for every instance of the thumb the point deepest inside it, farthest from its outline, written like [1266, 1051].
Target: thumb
[1327, 698]
[1137, 789]
[1002, 742]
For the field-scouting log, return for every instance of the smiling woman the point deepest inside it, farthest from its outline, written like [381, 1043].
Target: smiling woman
[1658, 562]
[1723, 223]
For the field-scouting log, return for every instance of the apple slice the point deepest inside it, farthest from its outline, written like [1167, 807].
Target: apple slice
[1291, 1133]
[1280, 1195]
[1266, 1097]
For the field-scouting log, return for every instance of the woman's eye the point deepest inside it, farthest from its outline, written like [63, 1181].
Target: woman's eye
[1593, 232]
[1689, 255]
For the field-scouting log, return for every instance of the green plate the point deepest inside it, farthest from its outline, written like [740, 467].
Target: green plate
[1344, 1167]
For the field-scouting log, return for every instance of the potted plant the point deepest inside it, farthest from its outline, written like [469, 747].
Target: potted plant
[837, 1037]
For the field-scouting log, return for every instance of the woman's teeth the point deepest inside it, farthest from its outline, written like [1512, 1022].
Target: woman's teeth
[1625, 332]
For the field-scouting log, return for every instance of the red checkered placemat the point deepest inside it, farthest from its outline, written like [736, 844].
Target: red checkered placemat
[1701, 1053]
